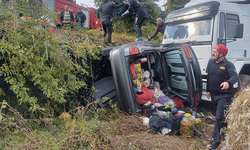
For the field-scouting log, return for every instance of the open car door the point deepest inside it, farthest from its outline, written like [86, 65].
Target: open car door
[184, 74]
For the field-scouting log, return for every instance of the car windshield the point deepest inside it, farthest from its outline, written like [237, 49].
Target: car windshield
[188, 29]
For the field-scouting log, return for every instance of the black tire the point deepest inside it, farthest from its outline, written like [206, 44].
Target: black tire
[106, 51]
[244, 81]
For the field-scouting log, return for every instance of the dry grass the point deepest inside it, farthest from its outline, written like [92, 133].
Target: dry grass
[238, 119]
[129, 131]
[121, 132]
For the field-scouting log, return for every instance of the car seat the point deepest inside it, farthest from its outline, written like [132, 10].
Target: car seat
[152, 72]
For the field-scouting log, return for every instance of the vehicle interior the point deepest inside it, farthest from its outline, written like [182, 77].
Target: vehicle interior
[166, 74]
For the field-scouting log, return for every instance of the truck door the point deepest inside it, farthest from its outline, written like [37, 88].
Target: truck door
[183, 74]
[86, 23]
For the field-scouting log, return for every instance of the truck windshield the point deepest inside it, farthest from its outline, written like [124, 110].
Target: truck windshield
[188, 29]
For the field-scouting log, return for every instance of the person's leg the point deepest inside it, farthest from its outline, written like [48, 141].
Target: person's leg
[214, 102]
[109, 28]
[219, 119]
[137, 25]
[81, 25]
[104, 29]
[140, 23]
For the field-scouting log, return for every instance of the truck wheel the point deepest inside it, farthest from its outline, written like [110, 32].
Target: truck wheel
[244, 80]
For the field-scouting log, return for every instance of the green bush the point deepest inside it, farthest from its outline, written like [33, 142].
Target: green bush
[40, 71]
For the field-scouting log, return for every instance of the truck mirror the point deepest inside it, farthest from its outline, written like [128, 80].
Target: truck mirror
[238, 31]
[149, 37]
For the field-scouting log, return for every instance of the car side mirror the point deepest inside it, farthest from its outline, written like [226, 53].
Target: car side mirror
[149, 37]
[238, 31]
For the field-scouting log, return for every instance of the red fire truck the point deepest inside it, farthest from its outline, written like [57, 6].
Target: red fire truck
[59, 5]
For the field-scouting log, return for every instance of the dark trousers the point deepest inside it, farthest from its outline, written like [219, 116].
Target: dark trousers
[79, 23]
[139, 19]
[107, 28]
[69, 24]
[220, 102]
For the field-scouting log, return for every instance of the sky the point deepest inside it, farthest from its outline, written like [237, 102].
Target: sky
[90, 3]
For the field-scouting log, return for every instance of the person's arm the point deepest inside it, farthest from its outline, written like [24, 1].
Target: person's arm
[71, 16]
[98, 12]
[232, 74]
[77, 17]
[118, 5]
[155, 33]
[84, 17]
[207, 71]
[131, 4]
[61, 16]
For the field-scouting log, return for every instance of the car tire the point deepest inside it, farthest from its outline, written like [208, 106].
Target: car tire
[106, 51]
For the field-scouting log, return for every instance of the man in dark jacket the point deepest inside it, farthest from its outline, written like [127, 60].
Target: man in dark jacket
[141, 15]
[160, 27]
[106, 18]
[80, 18]
[220, 79]
[66, 16]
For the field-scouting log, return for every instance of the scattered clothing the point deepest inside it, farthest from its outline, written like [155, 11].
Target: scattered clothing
[163, 99]
[178, 102]
[157, 122]
[157, 93]
[146, 96]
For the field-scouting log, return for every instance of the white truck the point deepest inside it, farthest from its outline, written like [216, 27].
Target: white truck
[206, 23]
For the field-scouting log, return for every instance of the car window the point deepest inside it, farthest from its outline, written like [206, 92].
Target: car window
[231, 21]
[178, 82]
[222, 26]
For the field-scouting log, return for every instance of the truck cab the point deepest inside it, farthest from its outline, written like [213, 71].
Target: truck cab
[204, 24]
[59, 5]
[174, 71]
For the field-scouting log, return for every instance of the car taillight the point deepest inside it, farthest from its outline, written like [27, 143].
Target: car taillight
[188, 53]
[134, 50]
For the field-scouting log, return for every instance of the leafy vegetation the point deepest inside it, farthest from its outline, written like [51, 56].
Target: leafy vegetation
[44, 74]
[174, 5]
[41, 72]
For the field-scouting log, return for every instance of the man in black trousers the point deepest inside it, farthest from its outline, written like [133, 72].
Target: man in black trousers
[106, 18]
[80, 18]
[220, 79]
[141, 15]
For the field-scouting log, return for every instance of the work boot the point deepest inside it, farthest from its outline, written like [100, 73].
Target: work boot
[139, 39]
[214, 146]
